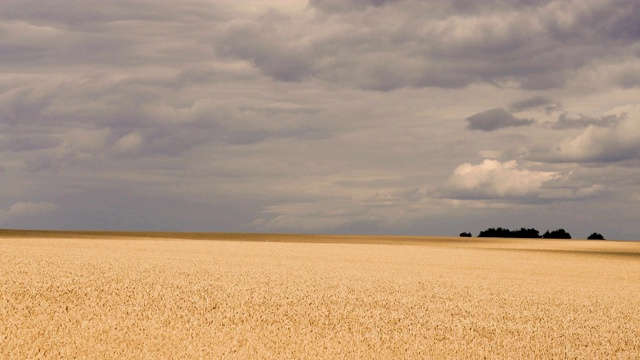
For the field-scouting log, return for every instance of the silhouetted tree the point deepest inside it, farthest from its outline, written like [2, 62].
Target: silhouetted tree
[506, 233]
[526, 233]
[465, 234]
[596, 236]
[556, 234]
[490, 232]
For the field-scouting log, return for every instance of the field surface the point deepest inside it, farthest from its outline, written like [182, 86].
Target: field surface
[163, 295]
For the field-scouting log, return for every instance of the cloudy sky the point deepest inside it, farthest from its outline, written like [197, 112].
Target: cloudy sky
[321, 116]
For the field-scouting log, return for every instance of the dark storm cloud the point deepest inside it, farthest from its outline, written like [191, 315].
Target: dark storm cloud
[495, 119]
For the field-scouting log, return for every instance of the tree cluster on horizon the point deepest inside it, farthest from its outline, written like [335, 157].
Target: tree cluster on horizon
[506, 233]
[532, 233]
[596, 236]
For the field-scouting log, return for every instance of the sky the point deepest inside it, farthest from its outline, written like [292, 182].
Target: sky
[405, 117]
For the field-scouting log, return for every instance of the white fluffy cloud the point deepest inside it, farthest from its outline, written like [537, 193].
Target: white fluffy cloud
[493, 179]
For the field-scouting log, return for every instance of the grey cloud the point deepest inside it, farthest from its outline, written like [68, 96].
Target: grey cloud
[331, 6]
[626, 74]
[47, 46]
[280, 56]
[98, 121]
[582, 121]
[600, 153]
[536, 102]
[24, 104]
[28, 142]
[495, 119]
[628, 79]
[25, 209]
[475, 6]
[208, 74]
[536, 48]
[617, 143]
[616, 21]
[534, 44]
[382, 211]
[73, 14]
[262, 46]
[39, 163]
[126, 207]
[52, 34]
[457, 6]
[161, 141]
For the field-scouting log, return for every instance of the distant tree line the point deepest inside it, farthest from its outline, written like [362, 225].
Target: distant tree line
[528, 234]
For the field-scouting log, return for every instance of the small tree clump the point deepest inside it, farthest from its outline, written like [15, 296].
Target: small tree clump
[595, 236]
[465, 234]
[556, 234]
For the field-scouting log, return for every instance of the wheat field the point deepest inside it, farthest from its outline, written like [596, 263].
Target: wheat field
[131, 295]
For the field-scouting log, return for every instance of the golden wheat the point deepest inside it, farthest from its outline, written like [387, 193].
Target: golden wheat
[107, 296]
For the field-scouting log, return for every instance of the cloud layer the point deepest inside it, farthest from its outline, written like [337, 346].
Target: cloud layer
[384, 45]
[320, 115]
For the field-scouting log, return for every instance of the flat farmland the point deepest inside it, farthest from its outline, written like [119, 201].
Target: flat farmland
[164, 295]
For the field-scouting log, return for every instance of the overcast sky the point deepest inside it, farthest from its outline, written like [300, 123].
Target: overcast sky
[321, 116]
